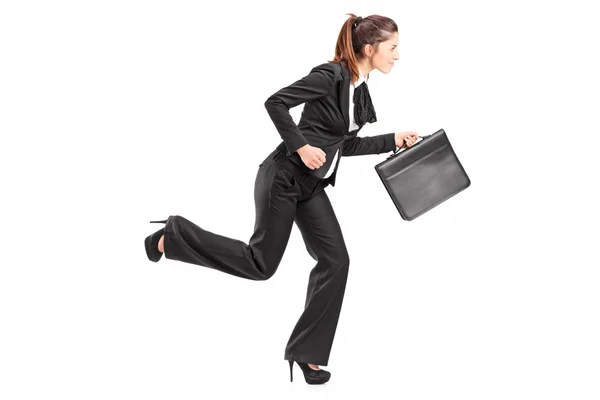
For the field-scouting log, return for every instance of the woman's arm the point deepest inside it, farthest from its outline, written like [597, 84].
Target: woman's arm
[318, 83]
[361, 145]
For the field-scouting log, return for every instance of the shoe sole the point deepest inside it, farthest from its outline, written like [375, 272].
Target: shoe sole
[152, 256]
[315, 381]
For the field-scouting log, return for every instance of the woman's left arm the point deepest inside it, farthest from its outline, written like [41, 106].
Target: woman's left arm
[361, 145]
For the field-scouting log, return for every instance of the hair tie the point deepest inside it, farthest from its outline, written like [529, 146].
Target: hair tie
[356, 22]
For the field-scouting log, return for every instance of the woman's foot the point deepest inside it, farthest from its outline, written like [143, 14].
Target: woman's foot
[154, 250]
[313, 375]
[161, 244]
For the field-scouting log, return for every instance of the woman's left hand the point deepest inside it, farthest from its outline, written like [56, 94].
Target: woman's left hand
[406, 137]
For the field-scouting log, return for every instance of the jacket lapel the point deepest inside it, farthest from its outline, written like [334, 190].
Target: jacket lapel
[344, 96]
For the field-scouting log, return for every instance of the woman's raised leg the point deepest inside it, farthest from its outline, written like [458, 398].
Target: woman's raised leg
[275, 195]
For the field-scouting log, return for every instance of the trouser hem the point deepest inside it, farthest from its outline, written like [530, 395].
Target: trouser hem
[306, 359]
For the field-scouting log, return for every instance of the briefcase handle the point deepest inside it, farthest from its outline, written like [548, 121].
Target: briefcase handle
[399, 149]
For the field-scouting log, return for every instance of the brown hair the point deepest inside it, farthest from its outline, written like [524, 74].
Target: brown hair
[372, 30]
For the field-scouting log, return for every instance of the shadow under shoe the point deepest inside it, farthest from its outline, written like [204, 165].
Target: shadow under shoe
[311, 376]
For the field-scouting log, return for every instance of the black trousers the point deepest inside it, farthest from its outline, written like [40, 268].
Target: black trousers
[283, 194]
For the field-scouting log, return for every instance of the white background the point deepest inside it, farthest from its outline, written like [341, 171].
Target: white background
[115, 113]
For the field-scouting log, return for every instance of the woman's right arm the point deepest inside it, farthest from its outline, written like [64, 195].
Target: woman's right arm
[318, 83]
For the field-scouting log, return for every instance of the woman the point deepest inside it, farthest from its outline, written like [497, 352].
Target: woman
[290, 185]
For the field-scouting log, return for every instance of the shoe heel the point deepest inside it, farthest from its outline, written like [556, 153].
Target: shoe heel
[159, 222]
[291, 369]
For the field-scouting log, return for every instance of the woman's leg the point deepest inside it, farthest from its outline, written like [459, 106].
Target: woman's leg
[312, 337]
[275, 195]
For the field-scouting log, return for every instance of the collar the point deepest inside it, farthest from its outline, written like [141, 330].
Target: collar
[361, 79]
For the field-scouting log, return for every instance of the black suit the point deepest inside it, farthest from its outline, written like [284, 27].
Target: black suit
[324, 121]
[286, 192]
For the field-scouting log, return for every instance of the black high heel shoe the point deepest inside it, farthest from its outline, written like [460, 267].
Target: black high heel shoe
[151, 243]
[311, 376]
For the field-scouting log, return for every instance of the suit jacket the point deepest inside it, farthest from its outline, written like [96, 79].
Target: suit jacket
[324, 121]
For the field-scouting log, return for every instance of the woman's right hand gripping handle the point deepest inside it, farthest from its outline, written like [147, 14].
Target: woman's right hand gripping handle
[312, 157]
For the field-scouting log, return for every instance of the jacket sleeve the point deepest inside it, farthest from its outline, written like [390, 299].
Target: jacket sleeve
[360, 145]
[318, 83]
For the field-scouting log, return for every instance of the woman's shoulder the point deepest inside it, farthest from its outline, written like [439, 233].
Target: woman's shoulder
[334, 68]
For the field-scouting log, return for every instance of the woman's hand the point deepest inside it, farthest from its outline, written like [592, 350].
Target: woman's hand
[312, 157]
[407, 137]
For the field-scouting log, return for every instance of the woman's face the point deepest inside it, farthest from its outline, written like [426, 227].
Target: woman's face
[386, 54]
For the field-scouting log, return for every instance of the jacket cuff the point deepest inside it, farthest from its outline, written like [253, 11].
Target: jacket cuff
[291, 145]
[390, 141]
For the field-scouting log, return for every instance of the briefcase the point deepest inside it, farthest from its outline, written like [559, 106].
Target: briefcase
[423, 176]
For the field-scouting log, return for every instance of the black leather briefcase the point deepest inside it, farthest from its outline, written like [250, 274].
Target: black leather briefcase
[423, 176]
